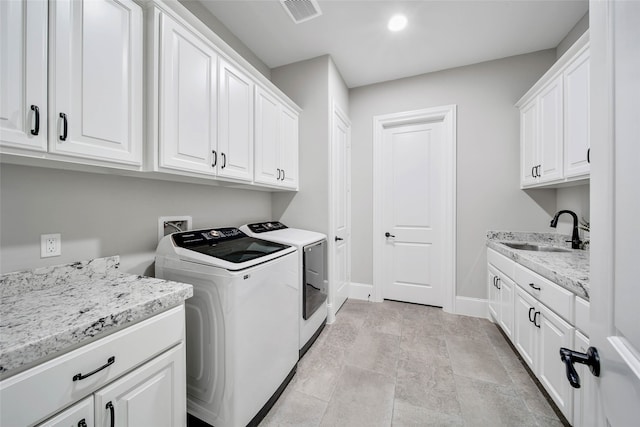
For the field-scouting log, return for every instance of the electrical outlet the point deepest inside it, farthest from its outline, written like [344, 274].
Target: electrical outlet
[50, 245]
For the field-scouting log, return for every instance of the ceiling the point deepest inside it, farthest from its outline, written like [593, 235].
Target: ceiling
[439, 35]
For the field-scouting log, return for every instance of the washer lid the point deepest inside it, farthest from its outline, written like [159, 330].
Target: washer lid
[285, 235]
[228, 248]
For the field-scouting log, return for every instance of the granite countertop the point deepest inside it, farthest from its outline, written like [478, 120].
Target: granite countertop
[569, 270]
[48, 311]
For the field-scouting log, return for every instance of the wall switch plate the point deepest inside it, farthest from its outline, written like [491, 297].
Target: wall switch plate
[50, 245]
[167, 224]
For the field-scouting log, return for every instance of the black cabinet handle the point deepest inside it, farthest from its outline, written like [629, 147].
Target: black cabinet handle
[110, 361]
[537, 288]
[590, 358]
[535, 316]
[63, 137]
[337, 239]
[279, 174]
[82, 423]
[530, 310]
[533, 171]
[283, 174]
[215, 158]
[588, 155]
[36, 112]
[498, 283]
[112, 413]
[224, 160]
[387, 234]
[494, 282]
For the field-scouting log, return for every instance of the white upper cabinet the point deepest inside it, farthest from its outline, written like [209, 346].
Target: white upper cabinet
[235, 123]
[96, 80]
[23, 74]
[276, 142]
[550, 132]
[188, 85]
[576, 127]
[554, 122]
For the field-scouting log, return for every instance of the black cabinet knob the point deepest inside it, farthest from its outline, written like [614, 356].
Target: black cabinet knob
[590, 358]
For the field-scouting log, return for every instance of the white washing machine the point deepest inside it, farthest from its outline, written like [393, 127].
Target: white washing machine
[313, 279]
[242, 333]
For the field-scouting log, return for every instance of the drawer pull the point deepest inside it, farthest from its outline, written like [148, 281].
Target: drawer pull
[112, 413]
[537, 288]
[110, 361]
[535, 316]
[530, 319]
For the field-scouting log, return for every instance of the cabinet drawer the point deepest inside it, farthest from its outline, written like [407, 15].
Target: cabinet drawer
[553, 296]
[501, 262]
[39, 392]
[582, 316]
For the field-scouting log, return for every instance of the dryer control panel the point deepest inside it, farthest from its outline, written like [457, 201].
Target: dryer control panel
[262, 227]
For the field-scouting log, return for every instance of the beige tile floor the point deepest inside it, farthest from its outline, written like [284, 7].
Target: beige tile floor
[396, 364]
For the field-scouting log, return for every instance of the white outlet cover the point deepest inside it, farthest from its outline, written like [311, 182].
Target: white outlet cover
[161, 220]
[50, 245]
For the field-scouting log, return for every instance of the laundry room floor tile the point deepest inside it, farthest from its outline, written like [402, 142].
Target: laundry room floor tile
[397, 364]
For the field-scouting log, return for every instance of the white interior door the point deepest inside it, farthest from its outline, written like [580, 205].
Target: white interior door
[412, 213]
[615, 206]
[341, 190]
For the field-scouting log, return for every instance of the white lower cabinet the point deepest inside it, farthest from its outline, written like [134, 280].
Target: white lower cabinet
[135, 377]
[501, 292]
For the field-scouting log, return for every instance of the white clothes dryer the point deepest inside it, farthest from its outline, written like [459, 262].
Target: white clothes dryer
[313, 279]
[241, 323]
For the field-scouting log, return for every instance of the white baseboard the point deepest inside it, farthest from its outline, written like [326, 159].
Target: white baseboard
[474, 307]
[361, 291]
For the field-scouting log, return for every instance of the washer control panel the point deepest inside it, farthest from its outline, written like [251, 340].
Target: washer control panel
[193, 238]
[262, 227]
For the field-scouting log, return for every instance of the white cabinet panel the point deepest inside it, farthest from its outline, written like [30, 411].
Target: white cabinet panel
[507, 289]
[23, 74]
[96, 80]
[152, 395]
[187, 111]
[267, 146]
[289, 148]
[555, 333]
[79, 415]
[550, 129]
[235, 123]
[576, 107]
[524, 330]
[494, 294]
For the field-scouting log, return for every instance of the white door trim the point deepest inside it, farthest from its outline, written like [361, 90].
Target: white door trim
[447, 116]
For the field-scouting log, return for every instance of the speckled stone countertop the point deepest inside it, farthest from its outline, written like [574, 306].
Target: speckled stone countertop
[47, 311]
[567, 269]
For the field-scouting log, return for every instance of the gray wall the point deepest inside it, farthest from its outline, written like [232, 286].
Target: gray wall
[225, 34]
[102, 215]
[488, 193]
[313, 85]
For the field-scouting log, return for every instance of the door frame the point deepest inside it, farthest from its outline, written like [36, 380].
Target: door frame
[337, 114]
[447, 116]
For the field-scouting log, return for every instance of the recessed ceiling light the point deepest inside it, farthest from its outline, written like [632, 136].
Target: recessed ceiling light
[397, 22]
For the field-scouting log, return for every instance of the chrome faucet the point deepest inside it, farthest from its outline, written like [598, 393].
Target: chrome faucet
[575, 238]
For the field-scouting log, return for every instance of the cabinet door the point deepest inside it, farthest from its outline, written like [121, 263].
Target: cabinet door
[267, 165]
[576, 126]
[235, 124]
[187, 111]
[78, 415]
[289, 148]
[152, 395]
[507, 288]
[525, 333]
[554, 334]
[96, 78]
[550, 131]
[23, 74]
[528, 143]
[492, 276]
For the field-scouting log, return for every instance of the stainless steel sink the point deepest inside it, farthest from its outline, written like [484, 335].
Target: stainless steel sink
[533, 247]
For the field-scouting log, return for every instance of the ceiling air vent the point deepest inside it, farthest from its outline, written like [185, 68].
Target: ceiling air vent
[301, 10]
